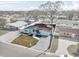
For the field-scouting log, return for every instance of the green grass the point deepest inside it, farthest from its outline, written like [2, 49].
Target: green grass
[72, 49]
[3, 32]
[24, 40]
[54, 46]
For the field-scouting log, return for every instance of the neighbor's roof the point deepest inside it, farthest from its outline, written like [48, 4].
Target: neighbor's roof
[17, 24]
[68, 23]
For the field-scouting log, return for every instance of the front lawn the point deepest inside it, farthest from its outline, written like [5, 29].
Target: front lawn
[24, 40]
[54, 45]
[3, 31]
[73, 50]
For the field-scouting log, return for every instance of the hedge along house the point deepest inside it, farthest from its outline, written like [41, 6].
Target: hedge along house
[68, 28]
[15, 26]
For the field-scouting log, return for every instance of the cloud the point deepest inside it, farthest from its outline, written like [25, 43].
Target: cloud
[31, 8]
[67, 7]
[26, 5]
[73, 6]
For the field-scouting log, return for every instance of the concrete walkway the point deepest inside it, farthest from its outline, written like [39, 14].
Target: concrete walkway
[62, 46]
[8, 37]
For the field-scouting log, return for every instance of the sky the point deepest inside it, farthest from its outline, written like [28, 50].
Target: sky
[30, 5]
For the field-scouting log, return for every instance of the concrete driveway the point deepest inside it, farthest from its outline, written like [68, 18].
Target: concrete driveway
[42, 44]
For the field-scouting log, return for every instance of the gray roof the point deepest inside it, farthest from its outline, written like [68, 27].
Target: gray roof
[66, 23]
[69, 23]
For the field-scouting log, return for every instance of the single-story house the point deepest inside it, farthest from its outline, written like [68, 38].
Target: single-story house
[67, 28]
[15, 26]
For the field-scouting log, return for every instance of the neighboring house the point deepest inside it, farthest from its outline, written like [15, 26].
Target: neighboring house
[67, 28]
[62, 17]
[16, 25]
[19, 18]
[45, 21]
[76, 18]
[30, 19]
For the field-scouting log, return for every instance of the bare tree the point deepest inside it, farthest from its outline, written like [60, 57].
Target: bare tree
[52, 9]
[70, 15]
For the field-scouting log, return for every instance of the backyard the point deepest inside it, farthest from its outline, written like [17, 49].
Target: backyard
[24, 40]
